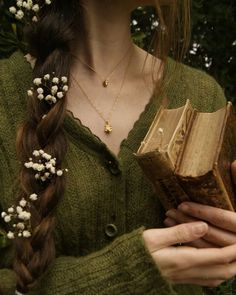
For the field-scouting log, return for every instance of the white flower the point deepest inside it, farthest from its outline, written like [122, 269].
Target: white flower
[20, 225]
[65, 88]
[30, 93]
[29, 164]
[19, 209]
[7, 218]
[10, 235]
[55, 80]
[34, 19]
[48, 2]
[64, 79]
[12, 9]
[40, 96]
[54, 89]
[37, 176]
[41, 152]
[36, 153]
[3, 214]
[46, 156]
[60, 95]
[40, 90]
[54, 100]
[37, 81]
[23, 203]
[33, 197]
[19, 234]
[10, 210]
[19, 3]
[48, 97]
[35, 8]
[59, 173]
[19, 14]
[53, 161]
[24, 215]
[46, 77]
[26, 234]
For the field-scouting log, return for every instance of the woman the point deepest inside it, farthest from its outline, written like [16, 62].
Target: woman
[100, 232]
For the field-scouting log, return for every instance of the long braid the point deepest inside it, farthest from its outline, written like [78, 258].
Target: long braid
[51, 43]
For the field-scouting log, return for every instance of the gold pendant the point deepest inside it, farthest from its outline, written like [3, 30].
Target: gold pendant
[108, 128]
[105, 83]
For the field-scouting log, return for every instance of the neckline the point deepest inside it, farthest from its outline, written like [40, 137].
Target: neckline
[92, 137]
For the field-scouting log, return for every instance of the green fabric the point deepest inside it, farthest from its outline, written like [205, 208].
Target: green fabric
[102, 189]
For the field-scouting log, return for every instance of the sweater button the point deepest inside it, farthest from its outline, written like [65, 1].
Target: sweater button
[113, 167]
[111, 230]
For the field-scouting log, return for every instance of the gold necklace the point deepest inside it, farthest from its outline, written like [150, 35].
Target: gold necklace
[105, 81]
[108, 127]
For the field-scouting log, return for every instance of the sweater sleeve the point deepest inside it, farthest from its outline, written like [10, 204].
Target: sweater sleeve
[123, 267]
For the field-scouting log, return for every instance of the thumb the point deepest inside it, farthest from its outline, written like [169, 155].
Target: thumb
[183, 233]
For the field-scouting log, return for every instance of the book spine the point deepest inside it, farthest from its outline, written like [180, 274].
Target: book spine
[207, 189]
[158, 169]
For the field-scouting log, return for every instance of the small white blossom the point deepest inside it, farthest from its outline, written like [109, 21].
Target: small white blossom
[59, 172]
[37, 81]
[33, 197]
[3, 214]
[26, 234]
[54, 100]
[46, 77]
[55, 80]
[19, 14]
[24, 215]
[20, 226]
[10, 210]
[35, 8]
[23, 203]
[30, 93]
[48, 2]
[35, 19]
[40, 90]
[40, 96]
[7, 218]
[19, 209]
[64, 79]
[12, 9]
[54, 89]
[65, 88]
[60, 95]
[36, 153]
[10, 235]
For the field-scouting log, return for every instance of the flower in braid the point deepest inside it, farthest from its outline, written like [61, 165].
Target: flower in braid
[51, 41]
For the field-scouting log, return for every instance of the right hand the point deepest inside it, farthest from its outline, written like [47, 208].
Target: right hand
[189, 265]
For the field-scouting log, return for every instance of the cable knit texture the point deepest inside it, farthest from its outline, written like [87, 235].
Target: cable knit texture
[108, 201]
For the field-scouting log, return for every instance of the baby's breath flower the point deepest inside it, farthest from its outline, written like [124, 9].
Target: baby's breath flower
[10, 235]
[33, 197]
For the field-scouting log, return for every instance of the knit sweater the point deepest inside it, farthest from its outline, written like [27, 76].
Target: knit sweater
[108, 201]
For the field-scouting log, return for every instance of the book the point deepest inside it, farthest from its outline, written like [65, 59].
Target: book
[187, 156]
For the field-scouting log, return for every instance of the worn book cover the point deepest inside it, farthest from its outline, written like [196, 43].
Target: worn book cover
[187, 156]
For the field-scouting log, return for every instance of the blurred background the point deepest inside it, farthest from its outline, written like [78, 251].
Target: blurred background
[212, 47]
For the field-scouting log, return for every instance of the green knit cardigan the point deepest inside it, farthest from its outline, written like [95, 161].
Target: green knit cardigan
[108, 201]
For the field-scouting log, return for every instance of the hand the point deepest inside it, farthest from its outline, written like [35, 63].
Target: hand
[188, 265]
[222, 223]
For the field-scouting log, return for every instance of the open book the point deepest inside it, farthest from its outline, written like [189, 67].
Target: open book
[187, 156]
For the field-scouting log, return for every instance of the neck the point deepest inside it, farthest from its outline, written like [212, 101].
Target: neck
[107, 36]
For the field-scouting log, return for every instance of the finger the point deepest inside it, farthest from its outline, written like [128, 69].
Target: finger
[221, 218]
[233, 171]
[188, 257]
[200, 243]
[215, 272]
[156, 239]
[170, 222]
[202, 282]
[215, 236]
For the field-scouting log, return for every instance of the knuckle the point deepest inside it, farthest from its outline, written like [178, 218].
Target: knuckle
[183, 233]
[228, 273]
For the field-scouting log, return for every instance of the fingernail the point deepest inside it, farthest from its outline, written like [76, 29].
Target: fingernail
[200, 228]
[184, 207]
[171, 213]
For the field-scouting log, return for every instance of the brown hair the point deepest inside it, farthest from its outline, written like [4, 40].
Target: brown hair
[52, 41]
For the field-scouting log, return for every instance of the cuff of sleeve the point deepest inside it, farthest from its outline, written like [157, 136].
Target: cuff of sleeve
[145, 277]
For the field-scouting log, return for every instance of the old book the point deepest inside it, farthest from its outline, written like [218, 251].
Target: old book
[187, 156]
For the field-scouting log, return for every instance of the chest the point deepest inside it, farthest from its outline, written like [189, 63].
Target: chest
[121, 114]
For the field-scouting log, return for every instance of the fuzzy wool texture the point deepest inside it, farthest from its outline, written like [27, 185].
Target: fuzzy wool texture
[102, 189]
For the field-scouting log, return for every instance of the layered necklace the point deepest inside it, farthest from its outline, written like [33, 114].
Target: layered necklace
[107, 127]
[105, 79]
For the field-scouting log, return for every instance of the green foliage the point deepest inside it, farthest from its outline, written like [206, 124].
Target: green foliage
[213, 44]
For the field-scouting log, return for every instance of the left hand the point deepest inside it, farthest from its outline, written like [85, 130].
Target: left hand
[222, 223]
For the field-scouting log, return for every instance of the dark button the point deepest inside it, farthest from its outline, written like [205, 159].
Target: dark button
[111, 230]
[112, 166]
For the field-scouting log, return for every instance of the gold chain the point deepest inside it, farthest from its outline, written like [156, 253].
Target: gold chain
[107, 127]
[105, 81]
